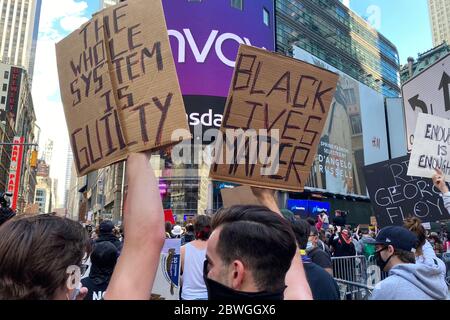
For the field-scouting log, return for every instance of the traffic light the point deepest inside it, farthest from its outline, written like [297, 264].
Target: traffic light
[33, 159]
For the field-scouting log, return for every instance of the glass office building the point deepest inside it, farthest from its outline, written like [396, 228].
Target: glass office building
[332, 32]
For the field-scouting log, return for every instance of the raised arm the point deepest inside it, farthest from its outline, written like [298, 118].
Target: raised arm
[136, 268]
[296, 282]
[439, 182]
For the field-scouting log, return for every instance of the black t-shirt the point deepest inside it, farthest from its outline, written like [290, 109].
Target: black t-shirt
[322, 284]
[342, 248]
[321, 258]
[95, 292]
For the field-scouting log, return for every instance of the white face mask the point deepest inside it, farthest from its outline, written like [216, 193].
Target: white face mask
[309, 246]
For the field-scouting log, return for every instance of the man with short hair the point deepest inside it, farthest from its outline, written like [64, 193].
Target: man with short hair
[315, 252]
[407, 280]
[106, 233]
[249, 256]
[322, 284]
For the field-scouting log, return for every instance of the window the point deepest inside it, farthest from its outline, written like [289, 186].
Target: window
[238, 4]
[3, 100]
[6, 76]
[356, 124]
[5, 87]
[266, 17]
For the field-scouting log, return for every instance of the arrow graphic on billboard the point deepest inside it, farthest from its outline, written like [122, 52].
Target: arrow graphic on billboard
[445, 81]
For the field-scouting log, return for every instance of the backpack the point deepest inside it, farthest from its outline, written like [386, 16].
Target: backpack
[369, 250]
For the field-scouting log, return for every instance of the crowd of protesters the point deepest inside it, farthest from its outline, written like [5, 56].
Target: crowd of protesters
[240, 253]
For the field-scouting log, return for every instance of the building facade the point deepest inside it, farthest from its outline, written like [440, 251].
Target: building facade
[68, 175]
[439, 13]
[332, 32]
[43, 195]
[19, 27]
[17, 119]
[424, 60]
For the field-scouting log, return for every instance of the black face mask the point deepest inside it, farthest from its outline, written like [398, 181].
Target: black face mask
[382, 264]
[217, 291]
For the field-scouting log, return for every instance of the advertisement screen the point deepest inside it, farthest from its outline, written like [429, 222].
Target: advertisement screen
[307, 208]
[354, 135]
[205, 37]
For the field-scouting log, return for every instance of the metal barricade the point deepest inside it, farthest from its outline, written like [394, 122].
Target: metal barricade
[353, 291]
[356, 276]
[353, 269]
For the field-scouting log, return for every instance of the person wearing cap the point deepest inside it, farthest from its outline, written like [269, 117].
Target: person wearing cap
[395, 254]
[106, 233]
[103, 259]
[177, 232]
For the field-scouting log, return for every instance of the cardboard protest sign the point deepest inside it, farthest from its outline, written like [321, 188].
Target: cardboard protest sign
[275, 114]
[167, 281]
[431, 146]
[238, 196]
[32, 208]
[119, 85]
[427, 225]
[396, 196]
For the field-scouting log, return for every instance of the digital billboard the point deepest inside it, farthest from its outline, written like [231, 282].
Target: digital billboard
[205, 37]
[355, 135]
[307, 208]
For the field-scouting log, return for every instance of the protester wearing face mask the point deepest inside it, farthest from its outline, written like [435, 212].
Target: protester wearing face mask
[322, 284]
[395, 254]
[25, 242]
[316, 254]
[250, 256]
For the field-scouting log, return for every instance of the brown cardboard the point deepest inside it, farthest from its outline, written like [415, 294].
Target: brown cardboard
[119, 85]
[32, 209]
[271, 91]
[242, 195]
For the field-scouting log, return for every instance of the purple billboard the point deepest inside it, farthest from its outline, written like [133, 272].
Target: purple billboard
[205, 36]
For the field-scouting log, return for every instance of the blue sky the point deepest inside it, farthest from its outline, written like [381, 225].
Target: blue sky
[58, 19]
[403, 22]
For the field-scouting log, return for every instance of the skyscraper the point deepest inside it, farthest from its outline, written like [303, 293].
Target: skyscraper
[19, 27]
[439, 11]
[68, 175]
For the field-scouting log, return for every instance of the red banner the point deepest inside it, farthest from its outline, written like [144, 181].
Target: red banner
[168, 216]
[14, 169]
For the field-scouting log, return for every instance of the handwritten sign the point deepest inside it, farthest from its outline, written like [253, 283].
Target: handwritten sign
[274, 117]
[31, 209]
[431, 146]
[396, 196]
[242, 195]
[119, 85]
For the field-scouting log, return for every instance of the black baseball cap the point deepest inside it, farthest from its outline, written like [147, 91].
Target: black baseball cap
[106, 226]
[398, 237]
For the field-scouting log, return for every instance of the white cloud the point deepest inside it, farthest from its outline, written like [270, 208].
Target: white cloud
[72, 23]
[58, 19]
